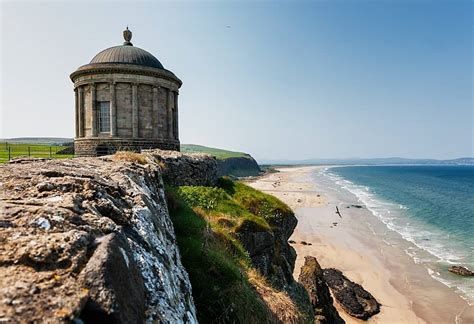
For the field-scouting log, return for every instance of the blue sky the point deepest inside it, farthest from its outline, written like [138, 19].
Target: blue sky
[281, 80]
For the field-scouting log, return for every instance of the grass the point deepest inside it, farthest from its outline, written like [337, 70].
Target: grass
[226, 287]
[218, 153]
[129, 156]
[30, 150]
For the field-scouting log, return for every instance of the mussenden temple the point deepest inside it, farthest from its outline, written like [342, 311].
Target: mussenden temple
[125, 100]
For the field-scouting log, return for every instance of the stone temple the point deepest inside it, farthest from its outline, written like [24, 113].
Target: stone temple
[125, 100]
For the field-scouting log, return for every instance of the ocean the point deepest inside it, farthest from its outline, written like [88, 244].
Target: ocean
[431, 207]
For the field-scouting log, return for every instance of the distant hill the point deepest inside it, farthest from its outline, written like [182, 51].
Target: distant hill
[231, 163]
[374, 161]
[218, 153]
[38, 140]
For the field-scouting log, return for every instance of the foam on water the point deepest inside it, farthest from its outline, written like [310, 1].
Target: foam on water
[439, 244]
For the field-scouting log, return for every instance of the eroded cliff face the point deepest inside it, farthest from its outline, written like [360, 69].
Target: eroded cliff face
[90, 239]
[238, 167]
[269, 250]
[275, 259]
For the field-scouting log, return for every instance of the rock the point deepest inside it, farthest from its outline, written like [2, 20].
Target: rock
[178, 169]
[90, 239]
[354, 299]
[260, 244]
[312, 279]
[462, 271]
[116, 289]
[269, 250]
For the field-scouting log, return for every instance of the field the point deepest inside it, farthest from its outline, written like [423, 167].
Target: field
[218, 153]
[15, 150]
[48, 148]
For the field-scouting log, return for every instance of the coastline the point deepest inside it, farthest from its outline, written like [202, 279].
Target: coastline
[354, 245]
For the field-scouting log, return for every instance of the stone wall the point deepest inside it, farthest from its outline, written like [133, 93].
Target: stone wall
[123, 95]
[180, 169]
[90, 239]
[100, 147]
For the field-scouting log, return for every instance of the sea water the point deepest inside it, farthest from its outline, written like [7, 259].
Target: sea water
[432, 207]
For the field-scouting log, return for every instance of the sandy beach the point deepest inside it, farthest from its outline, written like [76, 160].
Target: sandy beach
[356, 243]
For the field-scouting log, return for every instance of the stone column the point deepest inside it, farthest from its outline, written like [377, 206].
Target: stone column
[169, 113]
[76, 105]
[176, 125]
[134, 110]
[94, 111]
[155, 113]
[113, 111]
[80, 103]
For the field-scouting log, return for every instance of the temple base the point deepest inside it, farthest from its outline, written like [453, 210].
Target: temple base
[106, 146]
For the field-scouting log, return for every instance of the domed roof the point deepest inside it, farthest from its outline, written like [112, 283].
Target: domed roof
[127, 54]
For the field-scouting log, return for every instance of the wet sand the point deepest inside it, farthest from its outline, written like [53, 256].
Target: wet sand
[354, 243]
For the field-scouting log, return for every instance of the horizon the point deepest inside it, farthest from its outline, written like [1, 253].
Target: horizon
[265, 160]
[279, 80]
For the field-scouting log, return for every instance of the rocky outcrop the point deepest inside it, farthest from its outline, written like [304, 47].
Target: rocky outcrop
[312, 279]
[89, 239]
[269, 250]
[191, 169]
[462, 271]
[274, 258]
[238, 167]
[354, 299]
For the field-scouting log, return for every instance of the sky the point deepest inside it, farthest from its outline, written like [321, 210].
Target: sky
[276, 79]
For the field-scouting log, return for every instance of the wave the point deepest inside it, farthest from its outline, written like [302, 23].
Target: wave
[394, 217]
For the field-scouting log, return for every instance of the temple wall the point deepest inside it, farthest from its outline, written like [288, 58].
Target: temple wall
[123, 95]
[145, 111]
[154, 106]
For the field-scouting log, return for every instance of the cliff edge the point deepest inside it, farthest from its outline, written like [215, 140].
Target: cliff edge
[229, 163]
[91, 239]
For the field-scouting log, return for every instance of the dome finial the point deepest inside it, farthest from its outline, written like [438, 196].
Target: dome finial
[127, 35]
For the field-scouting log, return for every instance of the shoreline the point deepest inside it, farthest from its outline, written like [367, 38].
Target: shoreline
[354, 244]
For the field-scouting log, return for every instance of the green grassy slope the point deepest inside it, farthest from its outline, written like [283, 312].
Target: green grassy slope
[226, 287]
[218, 153]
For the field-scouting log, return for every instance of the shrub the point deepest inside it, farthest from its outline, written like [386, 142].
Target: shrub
[130, 157]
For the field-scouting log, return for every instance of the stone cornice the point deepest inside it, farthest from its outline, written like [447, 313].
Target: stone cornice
[104, 68]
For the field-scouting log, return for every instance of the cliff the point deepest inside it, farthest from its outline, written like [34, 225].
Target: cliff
[238, 167]
[91, 239]
[234, 244]
[229, 163]
[101, 240]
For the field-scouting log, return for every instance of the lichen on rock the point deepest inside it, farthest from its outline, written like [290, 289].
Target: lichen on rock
[91, 239]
